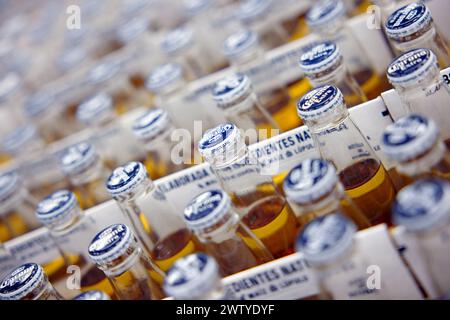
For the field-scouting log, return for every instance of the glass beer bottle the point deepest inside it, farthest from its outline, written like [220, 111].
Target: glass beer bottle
[196, 277]
[423, 209]
[322, 63]
[411, 27]
[84, 168]
[153, 130]
[212, 219]
[117, 253]
[414, 143]
[416, 78]
[21, 142]
[257, 200]
[313, 189]
[71, 231]
[27, 282]
[340, 141]
[158, 226]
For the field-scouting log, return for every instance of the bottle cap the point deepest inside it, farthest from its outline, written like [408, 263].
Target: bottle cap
[310, 180]
[16, 141]
[240, 42]
[132, 29]
[92, 295]
[58, 208]
[253, 10]
[103, 72]
[411, 67]
[9, 84]
[127, 179]
[324, 12]
[110, 243]
[326, 238]
[38, 103]
[423, 205]
[220, 141]
[319, 102]
[192, 277]
[177, 40]
[151, 124]
[163, 76]
[95, 109]
[10, 185]
[409, 137]
[320, 57]
[71, 58]
[407, 20]
[232, 89]
[194, 7]
[79, 158]
[22, 281]
[206, 209]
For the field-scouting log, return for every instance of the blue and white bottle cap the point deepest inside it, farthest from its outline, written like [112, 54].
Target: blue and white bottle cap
[319, 57]
[194, 7]
[310, 180]
[177, 40]
[22, 281]
[15, 142]
[71, 58]
[407, 20]
[58, 208]
[219, 140]
[239, 43]
[409, 137]
[103, 72]
[324, 12]
[231, 90]
[151, 124]
[206, 209]
[326, 238]
[423, 205]
[110, 243]
[163, 76]
[319, 102]
[79, 158]
[253, 10]
[132, 29]
[92, 295]
[9, 84]
[95, 109]
[10, 183]
[126, 179]
[411, 67]
[38, 103]
[192, 277]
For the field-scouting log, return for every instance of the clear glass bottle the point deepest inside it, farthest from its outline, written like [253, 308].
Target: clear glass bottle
[414, 143]
[158, 226]
[98, 114]
[71, 231]
[423, 209]
[244, 52]
[196, 277]
[313, 189]
[416, 78]
[322, 63]
[153, 130]
[234, 247]
[234, 95]
[92, 295]
[7, 261]
[180, 46]
[117, 253]
[28, 282]
[327, 19]
[411, 27]
[22, 141]
[340, 141]
[84, 169]
[260, 205]
[328, 245]
[16, 207]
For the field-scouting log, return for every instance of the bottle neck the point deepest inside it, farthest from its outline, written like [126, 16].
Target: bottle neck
[223, 230]
[424, 162]
[94, 172]
[124, 262]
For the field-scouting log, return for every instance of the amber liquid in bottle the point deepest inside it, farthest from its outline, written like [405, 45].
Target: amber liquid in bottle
[371, 83]
[12, 225]
[130, 287]
[367, 183]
